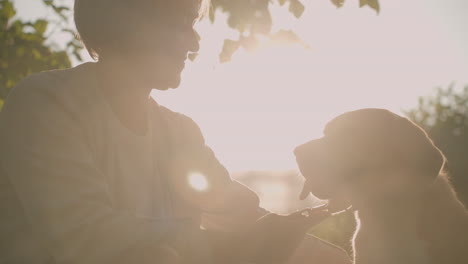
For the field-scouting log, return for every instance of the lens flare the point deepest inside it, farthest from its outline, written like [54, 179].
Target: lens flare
[198, 181]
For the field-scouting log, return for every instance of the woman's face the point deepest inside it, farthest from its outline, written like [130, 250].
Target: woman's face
[158, 36]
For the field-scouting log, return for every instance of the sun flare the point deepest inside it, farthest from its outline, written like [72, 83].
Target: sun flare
[198, 181]
[256, 108]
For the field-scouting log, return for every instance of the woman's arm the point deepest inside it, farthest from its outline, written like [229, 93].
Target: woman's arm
[64, 197]
[239, 230]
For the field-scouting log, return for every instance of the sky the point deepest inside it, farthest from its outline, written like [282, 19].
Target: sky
[255, 109]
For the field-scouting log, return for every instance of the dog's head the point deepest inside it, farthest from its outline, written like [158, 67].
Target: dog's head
[368, 153]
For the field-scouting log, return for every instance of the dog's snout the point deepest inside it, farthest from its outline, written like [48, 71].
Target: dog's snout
[304, 149]
[295, 150]
[298, 150]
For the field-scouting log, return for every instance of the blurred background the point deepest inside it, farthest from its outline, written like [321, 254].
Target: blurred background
[271, 73]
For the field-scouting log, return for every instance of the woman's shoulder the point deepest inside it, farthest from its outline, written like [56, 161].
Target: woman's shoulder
[59, 80]
[65, 87]
[179, 125]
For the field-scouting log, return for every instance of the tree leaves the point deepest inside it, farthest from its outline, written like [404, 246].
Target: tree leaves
[248, 15]
[230, 46]
[6, 12]
[252, 18]
[374, 4]
[296, 7]
[288, 37]
[23, 49]
[251, 43]
[444, 116]
[60, 11]
[338, 3]
[40, 26]
[48, 2]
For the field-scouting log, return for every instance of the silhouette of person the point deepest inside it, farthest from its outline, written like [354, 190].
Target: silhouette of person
[94, 171]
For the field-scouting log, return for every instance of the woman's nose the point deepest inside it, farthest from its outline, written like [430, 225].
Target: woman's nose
[193, 42]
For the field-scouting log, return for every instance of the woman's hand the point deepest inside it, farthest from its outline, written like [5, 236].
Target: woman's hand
[273, 238]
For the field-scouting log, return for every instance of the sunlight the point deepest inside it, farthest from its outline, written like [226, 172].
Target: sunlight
[273, 189]
[255, 109]
[198, 181]
[273, 195]
[211, 127]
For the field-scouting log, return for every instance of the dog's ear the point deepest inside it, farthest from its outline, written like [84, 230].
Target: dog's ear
[432, 161]
[426, 158]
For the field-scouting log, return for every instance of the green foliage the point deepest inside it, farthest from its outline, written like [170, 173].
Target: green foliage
[253, 19]
[338, 3]
[374, 4]
[337, 230]
[445, 118]
[24, 46]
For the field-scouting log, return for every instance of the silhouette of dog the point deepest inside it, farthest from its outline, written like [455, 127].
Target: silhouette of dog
[389, 170]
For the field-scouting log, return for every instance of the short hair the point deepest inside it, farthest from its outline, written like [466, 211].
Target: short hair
[97, 21]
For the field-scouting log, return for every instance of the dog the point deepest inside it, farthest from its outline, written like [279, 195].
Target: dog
[388, 169]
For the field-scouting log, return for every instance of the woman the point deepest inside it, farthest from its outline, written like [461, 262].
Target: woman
[95, 171]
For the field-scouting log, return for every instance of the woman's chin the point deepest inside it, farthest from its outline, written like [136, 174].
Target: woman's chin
[167, 83]
[338, 204]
